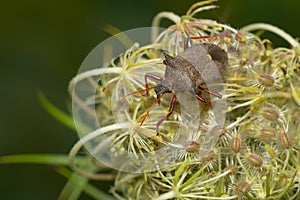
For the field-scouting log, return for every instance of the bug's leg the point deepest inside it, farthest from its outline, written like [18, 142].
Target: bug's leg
[171, 109]
[135, 92]
[147, 88]
[145, 117]
[200, 98]
[151, 77]
[210, 92]
[147, 113]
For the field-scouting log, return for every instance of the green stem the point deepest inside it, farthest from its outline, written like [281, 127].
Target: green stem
[62, 117]
[48, 159]
[243, 167]
[165, 196]
[83, 141]
[76, 184]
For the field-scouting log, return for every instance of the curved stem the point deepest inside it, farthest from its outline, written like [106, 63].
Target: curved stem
[202, 9]
[243, 167]
[197, 6]
[227, 27]
[156, 22]
[286, 160]
[82, 142]
[272, 29]
[90, 73]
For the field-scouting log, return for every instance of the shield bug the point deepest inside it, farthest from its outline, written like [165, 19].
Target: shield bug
[196, 65]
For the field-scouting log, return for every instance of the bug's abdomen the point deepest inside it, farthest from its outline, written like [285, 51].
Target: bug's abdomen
[208, 60]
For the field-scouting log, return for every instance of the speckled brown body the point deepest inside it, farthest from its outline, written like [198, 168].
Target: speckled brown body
[198, 64]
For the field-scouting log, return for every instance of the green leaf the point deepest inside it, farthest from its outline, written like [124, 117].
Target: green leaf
[192, 179]
[178, 173]
[78, 184]
[73, 188]
[49, 159]
[64, 118]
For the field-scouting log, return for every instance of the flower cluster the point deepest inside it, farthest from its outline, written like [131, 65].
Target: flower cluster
[254, 154]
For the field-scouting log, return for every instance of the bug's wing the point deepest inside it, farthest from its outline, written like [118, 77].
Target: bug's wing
[206, 60]
[195, 54]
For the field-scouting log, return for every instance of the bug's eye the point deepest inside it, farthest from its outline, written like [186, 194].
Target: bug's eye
[161, 89]
[168, 59]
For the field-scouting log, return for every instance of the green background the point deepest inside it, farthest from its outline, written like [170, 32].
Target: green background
[42, 44]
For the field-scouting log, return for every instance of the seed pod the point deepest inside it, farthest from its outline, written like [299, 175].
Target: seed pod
[192, 146]
[254, 159]
[271, 114]
[209, 157]
[284, 140]
[266, 79]
[241, 188]
[266, 134]
[236, 144]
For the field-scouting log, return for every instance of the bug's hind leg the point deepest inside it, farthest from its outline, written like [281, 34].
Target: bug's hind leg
[200, 98]
[210, 92]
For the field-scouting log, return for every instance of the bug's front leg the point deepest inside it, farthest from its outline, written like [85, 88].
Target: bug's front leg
[171, 109]
[152, 77]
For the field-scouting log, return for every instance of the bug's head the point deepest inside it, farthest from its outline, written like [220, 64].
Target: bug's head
[168, 59]
[160, 89]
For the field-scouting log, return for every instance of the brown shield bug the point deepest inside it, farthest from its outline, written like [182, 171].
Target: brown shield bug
[186, 72]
